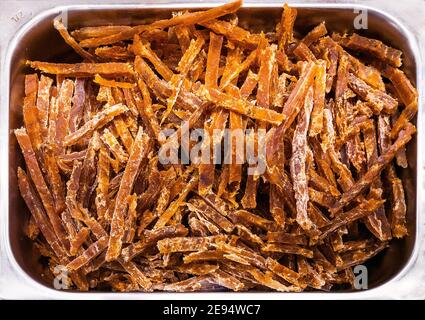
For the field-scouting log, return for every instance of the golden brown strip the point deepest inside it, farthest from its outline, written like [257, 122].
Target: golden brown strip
[112, 83]
[82, 69]
[316, 124]
[139, 152]
[40, 184]
[375, 169]
[37, 211]
[375, 47]
[241, 106]
[184, 19]
[71, 41]
[98, 121]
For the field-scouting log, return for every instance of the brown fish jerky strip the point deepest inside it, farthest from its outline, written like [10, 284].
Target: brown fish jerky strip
[83, 69]
[207, 255]
[316, 124]
[233, 33]
[113, 53]
[248, 218]
[285, 273]
[188, 244]
[174, 206]
[362, 210]
[287, 26]
[162, 89]
[89, 254]
[96, 32]
[37, 211]
[288, 238]
[64, 106]
[138, 154]
[375, 47]
[226, 280]
[398, 208]
[137, 275]
[233, 73]
[43, 100]
[40, 184]
[240, 106]
[383, 160]
[112, 83]
[357, 257]
[315, 34]
[297, 163]
[287, 249]
[184, 19]
[378, 222]
[98, 121]
[304, 53]
[30, 112]
[71, 41]
[298, 95]
[150, 238]
[212, 214]
[269, 280]
[378, 100]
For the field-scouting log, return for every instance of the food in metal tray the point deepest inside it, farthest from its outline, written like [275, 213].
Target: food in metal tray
[336, 111]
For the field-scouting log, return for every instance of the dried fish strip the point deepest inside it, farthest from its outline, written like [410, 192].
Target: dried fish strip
[181, 244]
[248, 218]
[226, 280]
[40, 184]
[112, 83]
[151, 238]
[398, 208]
[316, 124]
[233, 33]
[184, 19]
[37, 212]
[240, 106]
[138, 153]
[71, 41]
[288, 238]
[89, 254]
[358, 212]
[114, 146]
[375, 169]
[98, 121]
[83, 69]
[378, 100]
[288, 249]
[285, 273]
[298, 168]
[287, 26]
[375, 47]
[62, 122]
[357, 257]
[43, 99]
[298, 95]
[315, 34]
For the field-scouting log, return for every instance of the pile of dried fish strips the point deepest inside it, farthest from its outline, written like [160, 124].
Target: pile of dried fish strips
[337, 113]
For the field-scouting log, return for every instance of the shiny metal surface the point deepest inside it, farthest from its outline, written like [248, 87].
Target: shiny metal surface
[38, 40]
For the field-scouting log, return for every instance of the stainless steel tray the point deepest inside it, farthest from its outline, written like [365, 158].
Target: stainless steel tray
[37, 40]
